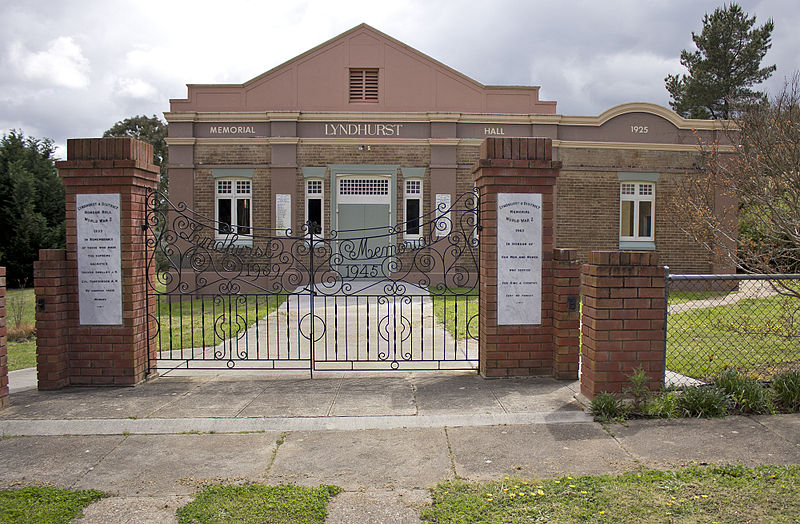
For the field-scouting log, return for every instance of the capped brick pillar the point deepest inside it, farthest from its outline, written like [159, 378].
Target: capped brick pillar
[3, 346]
[111, 177]
[518, 175]
[623, 320]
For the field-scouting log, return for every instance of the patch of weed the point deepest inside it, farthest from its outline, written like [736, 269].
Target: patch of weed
[608, 407]
[258, 503]
[695, 494]
[786, 391]
[702, 402]
[44, 504]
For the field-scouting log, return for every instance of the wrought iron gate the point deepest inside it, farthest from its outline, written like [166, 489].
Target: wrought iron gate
[271, 299]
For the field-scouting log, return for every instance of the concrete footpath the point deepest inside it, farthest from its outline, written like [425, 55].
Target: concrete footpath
[385, 439]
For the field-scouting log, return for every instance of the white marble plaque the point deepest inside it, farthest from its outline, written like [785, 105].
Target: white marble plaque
[283, 212]
[519, 258]
[99, 260]
[443, 222]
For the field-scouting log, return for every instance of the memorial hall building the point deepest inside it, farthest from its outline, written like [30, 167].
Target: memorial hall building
[363, 131]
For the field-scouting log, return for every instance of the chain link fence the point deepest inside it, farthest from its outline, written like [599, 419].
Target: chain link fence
[750, 323]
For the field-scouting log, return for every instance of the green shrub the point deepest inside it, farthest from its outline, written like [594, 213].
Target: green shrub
[745, 394]
[638, 390]
[664, 405]
[608, 406]
[702, 401]
[786, 390]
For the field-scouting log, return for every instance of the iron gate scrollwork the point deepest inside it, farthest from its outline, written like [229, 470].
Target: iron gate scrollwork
[256, 298]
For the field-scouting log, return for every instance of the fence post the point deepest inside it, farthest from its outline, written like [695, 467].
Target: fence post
[623, 323]
[92, 327]
[522, 292]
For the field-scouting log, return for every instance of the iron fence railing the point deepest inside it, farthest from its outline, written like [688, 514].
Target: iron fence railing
[749, 323]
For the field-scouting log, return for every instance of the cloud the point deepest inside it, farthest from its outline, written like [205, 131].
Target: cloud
[135, 88]
[61, 64]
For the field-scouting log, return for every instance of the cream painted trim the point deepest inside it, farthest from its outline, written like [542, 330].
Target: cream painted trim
[182, 116]
[444, 141]
[570, 144]
[181, 141]
[494, 118]
[193, 116]
[444, 117]
[281, 140]
[644, 107]
[466, 118]
[283, 116]
[364, 117]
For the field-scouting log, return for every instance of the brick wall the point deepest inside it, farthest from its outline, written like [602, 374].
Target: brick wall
[54, 282]
[3, 347]
[566, 321]
[623, 320]
[587, 197]
[70, 353]
[588, 202]
[524, 165]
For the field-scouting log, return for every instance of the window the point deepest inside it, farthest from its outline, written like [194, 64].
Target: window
[637, 206]
[234, 213]
[363, 85]
[364, 186]
[413, 209]
[314, 206]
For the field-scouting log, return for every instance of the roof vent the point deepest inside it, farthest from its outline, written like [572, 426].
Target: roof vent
[363, 85]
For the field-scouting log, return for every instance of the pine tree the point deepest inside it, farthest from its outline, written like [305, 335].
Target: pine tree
[724, 67]
[31, 204]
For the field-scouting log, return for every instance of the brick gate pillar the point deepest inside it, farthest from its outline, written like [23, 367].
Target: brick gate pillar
[623, 320]
[91, 318]
[528, 321]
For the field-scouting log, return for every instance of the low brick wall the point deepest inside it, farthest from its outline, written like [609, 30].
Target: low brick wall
[623, 323]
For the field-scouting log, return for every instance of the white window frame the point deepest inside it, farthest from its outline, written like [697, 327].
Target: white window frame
[413, 189]
[236, 193]
[637, 191]
[318, 184]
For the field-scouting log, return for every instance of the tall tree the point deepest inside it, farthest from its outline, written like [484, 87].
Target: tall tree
[724, 67]
[31, 203]
[151, 130]
[759, 231]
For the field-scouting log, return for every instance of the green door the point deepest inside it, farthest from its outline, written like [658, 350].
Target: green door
[364, 240]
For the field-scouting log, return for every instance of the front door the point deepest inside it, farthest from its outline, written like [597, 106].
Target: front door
[364, 225]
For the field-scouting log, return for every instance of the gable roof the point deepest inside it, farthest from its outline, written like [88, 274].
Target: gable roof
[318, 80]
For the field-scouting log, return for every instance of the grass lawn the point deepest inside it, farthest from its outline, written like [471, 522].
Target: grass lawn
[695, 494]
[205, 321]
[679, 297]
[257, 503]
[44, 504]
[21, 319]
[21, 355]
[755, 334]
[455, 310]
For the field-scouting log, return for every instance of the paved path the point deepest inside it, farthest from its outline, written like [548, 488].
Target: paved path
[747, 289]
[431, 427]
[368, 325]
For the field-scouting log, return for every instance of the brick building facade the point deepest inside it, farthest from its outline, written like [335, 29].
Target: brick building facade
[363, 126]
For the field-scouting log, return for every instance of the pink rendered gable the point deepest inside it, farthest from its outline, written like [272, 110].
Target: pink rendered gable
[408, 81]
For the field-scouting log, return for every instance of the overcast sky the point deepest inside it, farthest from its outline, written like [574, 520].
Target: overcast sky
[74, 68]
